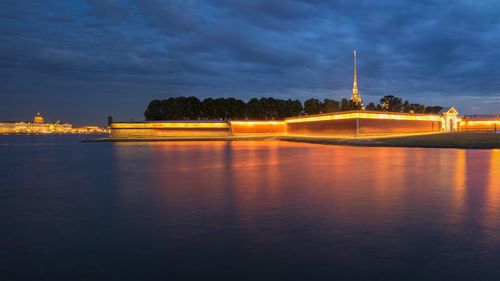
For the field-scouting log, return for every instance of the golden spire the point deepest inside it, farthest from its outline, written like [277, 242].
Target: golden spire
[355, 95]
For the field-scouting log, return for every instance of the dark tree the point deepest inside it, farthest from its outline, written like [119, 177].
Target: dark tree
[417, 108]
[312, 106]
[110, 120]
[433, 109]
[406, 107]
[391, 103]
[371, 106]
[330, 106]
[295, 107]
[208, 110]
[155, 111]
[355, 105]
[344, 105]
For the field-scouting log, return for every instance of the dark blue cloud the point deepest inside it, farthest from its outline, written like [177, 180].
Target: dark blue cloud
[82, 60]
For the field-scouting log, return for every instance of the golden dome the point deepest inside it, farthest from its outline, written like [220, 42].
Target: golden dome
[38, 119]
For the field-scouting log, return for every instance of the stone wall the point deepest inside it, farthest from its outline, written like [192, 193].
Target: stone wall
[170, 129]
[327, 127]
[480, 125]
[381, 126]
[342, 123]
[258, 127]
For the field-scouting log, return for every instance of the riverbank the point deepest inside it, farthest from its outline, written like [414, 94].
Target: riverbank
[433, 140]
[436, 140]
[171, 139]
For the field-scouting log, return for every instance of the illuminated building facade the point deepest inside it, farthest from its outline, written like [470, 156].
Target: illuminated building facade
[38, 126]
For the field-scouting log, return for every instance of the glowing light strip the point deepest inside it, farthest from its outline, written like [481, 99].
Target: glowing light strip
[252, 123]
[385, 116]
[484, 122]
[166, 125]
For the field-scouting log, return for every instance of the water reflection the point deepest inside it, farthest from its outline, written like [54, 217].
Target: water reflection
[248, 210]
[389, 202]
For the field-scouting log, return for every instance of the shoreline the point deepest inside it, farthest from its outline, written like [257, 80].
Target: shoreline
[461, 140]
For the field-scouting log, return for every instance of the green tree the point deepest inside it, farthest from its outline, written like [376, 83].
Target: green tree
[391, 103]
[406, 107]
[371, 106]
[417, 108]
[355, 105]
[208, 109]
[330, 106]
[254, 109]
[433, 109]
[154, 111]
[345, 105]
[312, 106]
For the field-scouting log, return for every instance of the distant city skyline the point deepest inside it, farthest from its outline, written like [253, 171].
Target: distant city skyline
[80, 61]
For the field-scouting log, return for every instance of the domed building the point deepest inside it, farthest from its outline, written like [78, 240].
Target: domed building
[38, 119]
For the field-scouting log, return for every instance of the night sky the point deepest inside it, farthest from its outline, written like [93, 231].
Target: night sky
[80, 61]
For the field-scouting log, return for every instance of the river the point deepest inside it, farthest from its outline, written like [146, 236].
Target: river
[263, 210]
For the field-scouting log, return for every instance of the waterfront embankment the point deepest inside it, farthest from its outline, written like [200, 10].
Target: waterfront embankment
[436, 140]
[433, 140]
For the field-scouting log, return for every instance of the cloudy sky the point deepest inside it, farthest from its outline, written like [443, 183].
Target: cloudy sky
[81, 61]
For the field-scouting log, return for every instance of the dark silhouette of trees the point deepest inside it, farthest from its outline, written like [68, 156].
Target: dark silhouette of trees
[391, 103]
[417, 108]
[344, 105]
[312, 106]
[330, 106]
[110, 120]
[371, 106]
[394, 104]
[347, 104]
[191, 108]
[433, 109]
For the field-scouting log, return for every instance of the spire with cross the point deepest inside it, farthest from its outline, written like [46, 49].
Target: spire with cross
[355, 95]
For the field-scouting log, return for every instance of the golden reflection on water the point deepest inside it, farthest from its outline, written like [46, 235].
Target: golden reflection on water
[492, 216]
[380, 188]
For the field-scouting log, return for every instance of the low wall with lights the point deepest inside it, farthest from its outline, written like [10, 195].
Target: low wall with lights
[483, 124]
[170, 129]
[258, 127]
[363, 122]
[341, 123]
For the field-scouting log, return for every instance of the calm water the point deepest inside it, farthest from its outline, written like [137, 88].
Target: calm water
[245, 211]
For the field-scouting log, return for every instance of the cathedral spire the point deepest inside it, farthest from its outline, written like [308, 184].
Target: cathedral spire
[355, 95]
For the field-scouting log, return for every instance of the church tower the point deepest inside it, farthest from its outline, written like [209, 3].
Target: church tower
[355, 95]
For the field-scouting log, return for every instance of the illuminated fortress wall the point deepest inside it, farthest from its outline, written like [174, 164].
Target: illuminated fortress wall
[481, 123]
[258, 127]
[341, 123]
[378, 126]
[169, 129]
[325, 127]
[363, 122]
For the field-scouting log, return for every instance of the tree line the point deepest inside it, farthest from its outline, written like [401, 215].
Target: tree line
[191, 108]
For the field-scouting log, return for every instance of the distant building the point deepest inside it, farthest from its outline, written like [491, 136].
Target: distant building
[38, 126]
